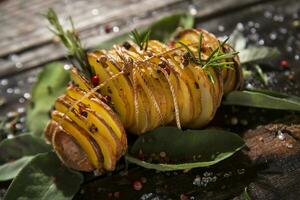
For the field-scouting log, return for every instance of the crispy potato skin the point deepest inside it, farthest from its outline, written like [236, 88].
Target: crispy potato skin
[142, 89]
[70, 152]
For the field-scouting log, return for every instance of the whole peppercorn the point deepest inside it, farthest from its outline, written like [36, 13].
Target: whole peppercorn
[284, 64]
[95, 80]
[137, 185]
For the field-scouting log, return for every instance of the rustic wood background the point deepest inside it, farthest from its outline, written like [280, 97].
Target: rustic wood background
[269, 169]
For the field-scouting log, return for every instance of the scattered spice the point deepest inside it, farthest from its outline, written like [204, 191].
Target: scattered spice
[95, 80]
[126, 45]
[234, 121]
[93, 128]
[162, 154]
[183, 197]
[185, 59]
[84, 113]
[143, 179]
[162, 64]
[137, 185]
[284, 64]
[117, 194]
[110, 194]
[107, 28]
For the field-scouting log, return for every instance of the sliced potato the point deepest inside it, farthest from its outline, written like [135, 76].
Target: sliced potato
[207, 101]
[181, 86]
[69, 151]
[80, 80]
[150, 101]
[86, 142]
[110, 89]
[101, 108]
[123, 83]
[88, 120]
[157, 86]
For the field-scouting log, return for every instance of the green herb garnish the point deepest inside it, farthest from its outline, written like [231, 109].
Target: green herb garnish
[140, 39]
[71, 41]
[216, 58]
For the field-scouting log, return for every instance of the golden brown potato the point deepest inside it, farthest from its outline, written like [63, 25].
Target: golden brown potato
[140, 89]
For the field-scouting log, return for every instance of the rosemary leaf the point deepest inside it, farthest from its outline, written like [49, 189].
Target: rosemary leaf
[70, 40]
[193, 57]
[200, 48]
[140, 39]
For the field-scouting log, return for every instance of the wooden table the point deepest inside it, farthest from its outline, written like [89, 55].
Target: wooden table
[26, 45]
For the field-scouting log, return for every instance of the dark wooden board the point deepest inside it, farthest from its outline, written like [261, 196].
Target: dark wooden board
[26, 42]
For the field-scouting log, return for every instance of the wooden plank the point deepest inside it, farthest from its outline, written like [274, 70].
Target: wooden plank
[47, 51]
[39, 34]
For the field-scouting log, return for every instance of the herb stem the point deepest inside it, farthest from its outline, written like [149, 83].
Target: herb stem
[71, 41]
[216, 59]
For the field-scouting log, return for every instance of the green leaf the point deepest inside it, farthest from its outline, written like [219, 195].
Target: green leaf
[161, 30]
[252, 54]
[11, 169]
[237, 40]
[183, 149]
[51, 83]
[262, 76]
[45, 177]
[263, 99]
[17, 152]
[22, 145]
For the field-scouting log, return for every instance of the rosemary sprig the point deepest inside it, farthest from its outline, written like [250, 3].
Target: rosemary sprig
[140, 39]
[70, 40]
[215, 59]
[200, 47]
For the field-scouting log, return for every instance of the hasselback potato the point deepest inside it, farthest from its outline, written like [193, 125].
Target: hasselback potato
[138, 88]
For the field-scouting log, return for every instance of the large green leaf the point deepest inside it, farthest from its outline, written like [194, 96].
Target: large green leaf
[51, 83]
[237, 40]
[168, 148]
[22, 145]
[10, 170]
[17, 152]
[263, 99]
[45, 177]
[161, 30]
[253, 54]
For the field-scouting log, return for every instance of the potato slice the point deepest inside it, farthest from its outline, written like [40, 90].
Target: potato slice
[152, 114]
[186, 74]
[146, 109]
[123, 83]
[101, 108]
[233, 79]
[160, 86]
[69, 151]
[88, 120]
[120, 102]
[207, 101]
[79, 80]
[142, 116]
[85, 141]
[182, 90]
[155, 85]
